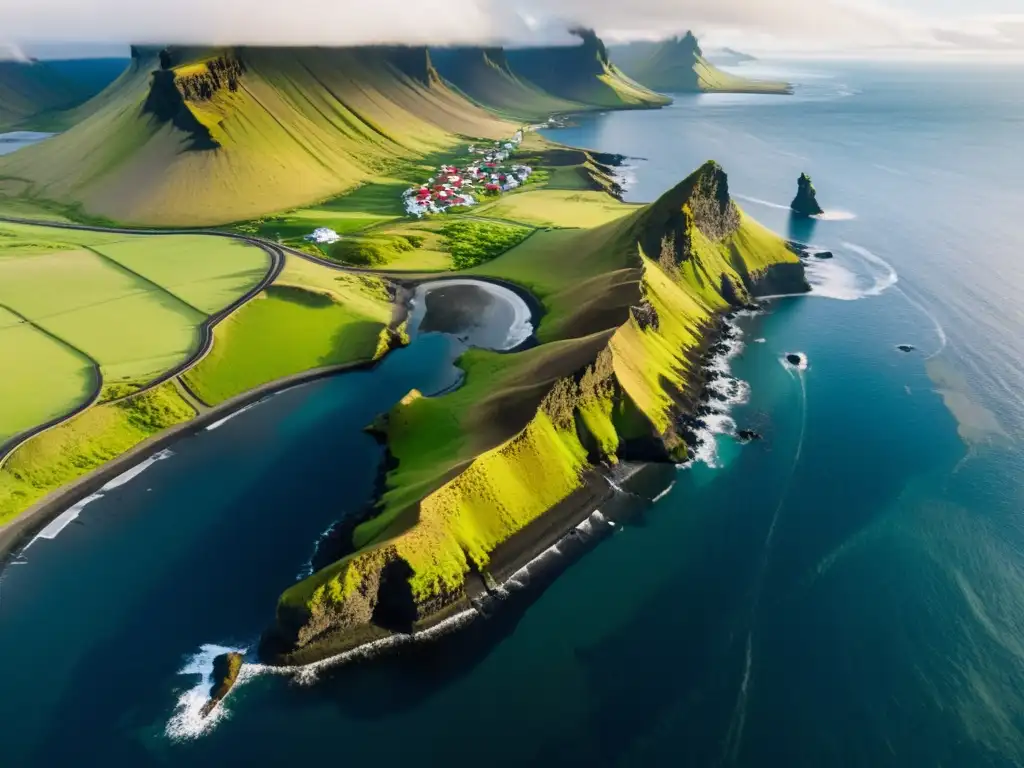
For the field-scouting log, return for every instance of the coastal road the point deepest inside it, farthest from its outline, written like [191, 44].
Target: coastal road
[277, 253]
[206, 328]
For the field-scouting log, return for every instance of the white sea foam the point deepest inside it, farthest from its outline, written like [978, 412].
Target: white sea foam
[188, 722]
[760, 341]
[69, 515]
[665, 493]
[138, 469]
[221, 422]
[836, 215]
[64, 519]
[832, 279]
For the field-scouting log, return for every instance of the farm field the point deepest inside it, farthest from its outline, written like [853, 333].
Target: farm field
[311, 317]
[127, 306]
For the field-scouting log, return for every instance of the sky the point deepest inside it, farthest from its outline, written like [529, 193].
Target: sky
[868, 28]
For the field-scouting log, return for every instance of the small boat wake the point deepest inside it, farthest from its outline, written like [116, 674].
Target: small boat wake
[734, 736]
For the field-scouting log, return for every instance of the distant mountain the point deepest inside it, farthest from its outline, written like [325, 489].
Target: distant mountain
[581, 73]
[33, 93]
[678, 65]
[728, 57]
[194, 137]
[485, 76]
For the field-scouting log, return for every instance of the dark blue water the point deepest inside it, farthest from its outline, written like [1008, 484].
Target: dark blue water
[849, 591]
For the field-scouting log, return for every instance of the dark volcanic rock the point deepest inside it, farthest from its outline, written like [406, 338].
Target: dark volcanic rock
[905, 347]
[822, 254]
[794, 359]
[805, 203]
[225, 672]
[748, 435]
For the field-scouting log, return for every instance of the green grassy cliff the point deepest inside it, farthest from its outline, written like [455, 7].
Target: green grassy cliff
[677, 65]
[582, 73]
[627, 316]
[182, 133]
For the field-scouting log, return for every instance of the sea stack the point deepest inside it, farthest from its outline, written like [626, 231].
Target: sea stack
[805, 203]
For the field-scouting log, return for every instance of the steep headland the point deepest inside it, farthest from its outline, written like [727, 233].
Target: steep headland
[629, 308]
[806, 201]
[582, 73]
[678, 65]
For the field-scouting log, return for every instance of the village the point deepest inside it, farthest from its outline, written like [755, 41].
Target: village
[453, 187]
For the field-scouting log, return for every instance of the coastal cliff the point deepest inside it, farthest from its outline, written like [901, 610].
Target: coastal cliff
[538, 431]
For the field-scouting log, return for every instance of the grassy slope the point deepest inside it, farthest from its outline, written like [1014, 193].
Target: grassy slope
[86, 442]
[304, 125]
[133, 327]
[311, 317]
[131, 304]
[484, 75]
[50, 378]
[601, 378]
[580, 74]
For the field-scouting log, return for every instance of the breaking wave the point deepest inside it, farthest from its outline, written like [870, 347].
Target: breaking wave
[69, 515]
[188, 722]
[836, 215]
[831, 279]
[732, 392]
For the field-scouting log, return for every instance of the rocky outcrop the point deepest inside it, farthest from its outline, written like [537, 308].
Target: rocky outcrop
[805, 203]
[225, 674]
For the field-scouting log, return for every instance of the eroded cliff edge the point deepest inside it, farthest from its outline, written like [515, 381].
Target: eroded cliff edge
[525, 445]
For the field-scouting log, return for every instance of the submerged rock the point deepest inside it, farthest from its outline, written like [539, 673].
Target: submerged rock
[225, 673]
[805, 203]
[905, 347]
[748, 436]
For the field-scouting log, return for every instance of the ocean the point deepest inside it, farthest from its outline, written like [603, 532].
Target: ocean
[849, 590]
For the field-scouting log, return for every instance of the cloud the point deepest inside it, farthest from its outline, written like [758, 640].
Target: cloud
[11, 52]
[801, 25]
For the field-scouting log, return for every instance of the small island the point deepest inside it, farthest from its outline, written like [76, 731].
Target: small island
[225, 674]
[806, 202]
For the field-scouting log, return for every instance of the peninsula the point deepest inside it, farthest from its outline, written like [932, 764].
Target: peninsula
[398, 165]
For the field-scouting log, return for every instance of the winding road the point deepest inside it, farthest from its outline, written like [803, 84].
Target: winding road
[277, 259]
[277, 253]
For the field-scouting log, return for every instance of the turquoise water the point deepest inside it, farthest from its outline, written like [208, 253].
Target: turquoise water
[849, 591]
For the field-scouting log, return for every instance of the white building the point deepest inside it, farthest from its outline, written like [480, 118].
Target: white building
[323, 235]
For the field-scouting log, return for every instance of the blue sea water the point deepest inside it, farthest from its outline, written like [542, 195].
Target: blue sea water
[848, 591]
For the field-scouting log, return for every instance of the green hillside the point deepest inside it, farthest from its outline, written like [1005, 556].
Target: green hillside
[629, 304]
[581, 73]
[677, 65]
[485, 76]
[178, 137]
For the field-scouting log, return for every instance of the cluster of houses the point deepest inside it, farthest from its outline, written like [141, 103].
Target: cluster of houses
[460, 187]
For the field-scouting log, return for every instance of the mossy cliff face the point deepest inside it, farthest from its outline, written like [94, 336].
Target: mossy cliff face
[697, 255]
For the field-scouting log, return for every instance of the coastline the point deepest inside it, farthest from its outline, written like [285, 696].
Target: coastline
[23, 529]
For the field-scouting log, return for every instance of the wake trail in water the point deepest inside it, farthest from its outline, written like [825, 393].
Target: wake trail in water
[939, 330]
[759, 201]
[734, 735]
